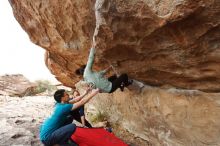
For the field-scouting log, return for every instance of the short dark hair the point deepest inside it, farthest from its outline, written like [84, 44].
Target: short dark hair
[80, 70]
[58, 95]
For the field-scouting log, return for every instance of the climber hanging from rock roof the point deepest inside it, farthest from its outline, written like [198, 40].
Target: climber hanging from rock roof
[98, 80]
[58, 129]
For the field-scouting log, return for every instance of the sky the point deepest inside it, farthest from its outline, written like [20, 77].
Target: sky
[18, 55]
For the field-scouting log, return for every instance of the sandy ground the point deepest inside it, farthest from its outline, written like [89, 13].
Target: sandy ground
[20, 119]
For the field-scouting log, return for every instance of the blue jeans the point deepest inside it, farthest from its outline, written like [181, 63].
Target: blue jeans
[61, 136]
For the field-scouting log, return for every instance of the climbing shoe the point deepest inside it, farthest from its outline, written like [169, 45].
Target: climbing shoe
[122, 87]
[130, 81]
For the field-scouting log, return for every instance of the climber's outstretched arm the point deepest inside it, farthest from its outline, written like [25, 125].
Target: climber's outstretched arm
[90, 59]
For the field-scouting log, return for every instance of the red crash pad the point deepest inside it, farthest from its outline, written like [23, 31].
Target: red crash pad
[95, 137]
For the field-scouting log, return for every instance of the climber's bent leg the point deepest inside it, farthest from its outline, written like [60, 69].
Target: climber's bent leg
[112, 78]
[60, 136]
[117, 83]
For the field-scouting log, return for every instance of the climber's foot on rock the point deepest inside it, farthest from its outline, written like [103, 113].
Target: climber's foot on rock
[122, 87]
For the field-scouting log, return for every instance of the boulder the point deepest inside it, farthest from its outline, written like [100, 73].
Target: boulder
[15, 85]
[169, 43]
[172, 46]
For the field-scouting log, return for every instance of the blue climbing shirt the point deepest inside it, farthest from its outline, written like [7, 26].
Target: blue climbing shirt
[56, 120]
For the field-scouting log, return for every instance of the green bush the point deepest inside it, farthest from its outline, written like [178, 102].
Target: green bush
[44, 85]
[98, 117]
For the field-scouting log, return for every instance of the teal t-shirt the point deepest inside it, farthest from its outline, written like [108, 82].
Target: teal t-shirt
[56, 120]
[96, 78]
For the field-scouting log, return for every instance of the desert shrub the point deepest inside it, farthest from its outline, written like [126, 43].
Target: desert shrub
[44, 85]
[98, 117]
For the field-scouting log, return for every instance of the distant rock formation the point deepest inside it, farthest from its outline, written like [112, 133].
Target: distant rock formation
[15, 85]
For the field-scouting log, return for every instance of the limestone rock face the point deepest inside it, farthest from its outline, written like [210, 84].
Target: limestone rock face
[162, 117]
[164, 43]
[63, 27]
[15, 85]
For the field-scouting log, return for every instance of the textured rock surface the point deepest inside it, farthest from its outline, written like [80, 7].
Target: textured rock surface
[15, 85]
[164, 42]
[163, 117]
[63, 27]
